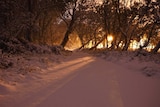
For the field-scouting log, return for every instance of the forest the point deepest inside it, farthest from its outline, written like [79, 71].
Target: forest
[79, 53]
[82, 24]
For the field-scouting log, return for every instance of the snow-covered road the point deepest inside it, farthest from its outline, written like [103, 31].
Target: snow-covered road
[92, 86]
[87, 81]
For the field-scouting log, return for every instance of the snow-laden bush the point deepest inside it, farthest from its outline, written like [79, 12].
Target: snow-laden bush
[5, 63]
[12, 46]
[17, 46]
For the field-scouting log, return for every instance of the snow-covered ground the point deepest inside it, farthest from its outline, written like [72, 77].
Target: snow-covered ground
[146, 63]
[114, 79]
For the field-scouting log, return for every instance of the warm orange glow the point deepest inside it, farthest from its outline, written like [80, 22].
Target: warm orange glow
[100, 46]
[99, 2]
[110, 38]
[73, 43]
[143, 40]
[135, 44]
[121, 44]
[108, 43]
[158, 33]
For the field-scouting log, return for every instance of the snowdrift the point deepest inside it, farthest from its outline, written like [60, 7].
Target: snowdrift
[143, 62]
[13, 46]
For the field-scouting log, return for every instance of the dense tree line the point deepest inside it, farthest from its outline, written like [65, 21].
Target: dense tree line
[53, 21]
[32, 20]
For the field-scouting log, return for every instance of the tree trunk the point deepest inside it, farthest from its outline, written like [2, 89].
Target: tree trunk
[106, 26]
[149, 37]
[66, 37]
[126, 44]
[125, 48]
[95, 46]
[28, 34]
[155, 50]
[28, 30]
[68, 32]
[70, 28]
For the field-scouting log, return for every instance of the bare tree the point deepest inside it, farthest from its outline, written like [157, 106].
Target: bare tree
[69, 14]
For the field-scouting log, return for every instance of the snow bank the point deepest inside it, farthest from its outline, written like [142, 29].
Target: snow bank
[25, 75]
[145, 62]
[22, 61]
[34, 77]
[18, 46]
[12, 46]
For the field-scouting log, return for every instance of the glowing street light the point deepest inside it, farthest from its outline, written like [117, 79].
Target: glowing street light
[110, 38]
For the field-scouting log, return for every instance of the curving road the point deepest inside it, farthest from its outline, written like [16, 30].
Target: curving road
[86, 81]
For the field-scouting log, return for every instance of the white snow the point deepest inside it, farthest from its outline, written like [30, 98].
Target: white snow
[108, 79]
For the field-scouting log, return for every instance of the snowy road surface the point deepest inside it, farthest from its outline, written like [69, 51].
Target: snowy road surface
[86, 81]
